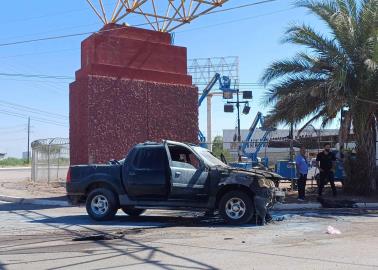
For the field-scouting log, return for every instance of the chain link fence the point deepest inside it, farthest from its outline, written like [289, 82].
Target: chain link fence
[50, 160]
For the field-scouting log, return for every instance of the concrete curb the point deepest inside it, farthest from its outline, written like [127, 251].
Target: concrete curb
[367, 205]
[297, 206]
[304, 206]
[45, 202]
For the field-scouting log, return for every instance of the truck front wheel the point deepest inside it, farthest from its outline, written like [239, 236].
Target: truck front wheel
[236, 207]
[101, 204]
[132, 212]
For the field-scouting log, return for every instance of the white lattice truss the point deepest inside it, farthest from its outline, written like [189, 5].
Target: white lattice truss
[202, 70]
[161, 15]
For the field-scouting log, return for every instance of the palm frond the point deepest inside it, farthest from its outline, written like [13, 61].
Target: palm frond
[335, 14]
[307, 36]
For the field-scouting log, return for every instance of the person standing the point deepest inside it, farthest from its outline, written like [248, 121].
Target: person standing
[302, 170]
[326, 164]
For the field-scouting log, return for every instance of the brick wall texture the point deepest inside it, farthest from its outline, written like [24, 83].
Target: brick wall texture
[132, 87]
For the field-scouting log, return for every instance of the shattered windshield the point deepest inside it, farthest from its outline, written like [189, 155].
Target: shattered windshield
[209, 158]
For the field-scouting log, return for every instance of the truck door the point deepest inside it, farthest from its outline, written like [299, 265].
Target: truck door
[147, 173]
[188, 174]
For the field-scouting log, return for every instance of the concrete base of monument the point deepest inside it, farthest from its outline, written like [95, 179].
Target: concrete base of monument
[132, 87]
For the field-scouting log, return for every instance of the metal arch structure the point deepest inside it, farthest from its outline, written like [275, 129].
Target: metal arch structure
[160, 15]
[202, 70]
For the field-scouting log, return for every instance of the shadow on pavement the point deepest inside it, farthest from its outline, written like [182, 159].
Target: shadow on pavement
[190, 219]
[123, 248]
[131, 252]
[9, 206]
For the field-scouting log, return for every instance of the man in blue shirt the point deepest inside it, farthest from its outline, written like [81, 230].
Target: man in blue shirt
[302, 170]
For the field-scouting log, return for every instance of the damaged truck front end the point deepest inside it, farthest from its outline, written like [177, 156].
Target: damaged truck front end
[262, 190]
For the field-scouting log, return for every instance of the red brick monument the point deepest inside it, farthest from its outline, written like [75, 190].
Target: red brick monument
[132, 87]
[133, 84]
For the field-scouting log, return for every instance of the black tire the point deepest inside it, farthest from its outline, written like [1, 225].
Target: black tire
[132, 212]
[244, 200]
[109, 203]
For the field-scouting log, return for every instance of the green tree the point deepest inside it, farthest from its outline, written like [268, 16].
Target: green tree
[217, 148]
[336, 70]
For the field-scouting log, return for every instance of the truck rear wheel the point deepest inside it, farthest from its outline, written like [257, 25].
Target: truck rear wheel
[101, 204]
[236, 207]
[133, 212]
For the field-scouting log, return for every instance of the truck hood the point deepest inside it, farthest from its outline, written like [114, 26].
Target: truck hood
[262, 179]
[266, 173]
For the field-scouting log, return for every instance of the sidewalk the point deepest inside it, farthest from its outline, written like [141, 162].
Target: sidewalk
[16, 187]
[345, 200]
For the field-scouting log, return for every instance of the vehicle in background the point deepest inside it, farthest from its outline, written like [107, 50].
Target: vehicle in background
[171, 175]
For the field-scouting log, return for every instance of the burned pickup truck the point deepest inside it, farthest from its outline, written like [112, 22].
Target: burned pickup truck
[170, 175]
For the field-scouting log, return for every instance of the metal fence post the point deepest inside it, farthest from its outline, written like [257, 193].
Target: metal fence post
[48, 163]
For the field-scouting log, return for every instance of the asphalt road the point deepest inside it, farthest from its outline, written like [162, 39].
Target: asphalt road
[41, 238]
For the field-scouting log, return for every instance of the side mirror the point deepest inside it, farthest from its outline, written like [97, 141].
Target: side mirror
[223, 159]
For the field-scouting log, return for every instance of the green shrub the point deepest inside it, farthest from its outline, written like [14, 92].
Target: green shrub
[13, 162]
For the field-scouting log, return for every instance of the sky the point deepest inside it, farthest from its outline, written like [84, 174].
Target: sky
[254, 34]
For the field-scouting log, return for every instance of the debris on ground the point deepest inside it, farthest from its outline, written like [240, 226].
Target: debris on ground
[329, 203]
[95, 237]
[279, 218]
[332, 230]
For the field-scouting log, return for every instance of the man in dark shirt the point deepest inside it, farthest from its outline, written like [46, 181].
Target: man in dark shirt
[326, 164]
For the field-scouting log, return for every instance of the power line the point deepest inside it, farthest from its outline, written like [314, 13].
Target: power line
[13, 131]
[12, 127]
[59, 90]
[234, 21]
[40, 53]
[13, 139]
[107, 30]
[241, 6]
[39, 81]
[44, 16]
[32, 110]
[38, 119]
[39, 76]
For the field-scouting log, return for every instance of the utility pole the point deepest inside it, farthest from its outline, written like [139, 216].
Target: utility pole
[209, 140]
[28, 146]
[237, 103]
[239, 137]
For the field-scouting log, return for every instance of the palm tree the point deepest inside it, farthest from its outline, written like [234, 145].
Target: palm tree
[337, 70]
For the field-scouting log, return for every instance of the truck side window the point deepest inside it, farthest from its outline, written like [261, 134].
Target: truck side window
[183, 158]
[152, 159]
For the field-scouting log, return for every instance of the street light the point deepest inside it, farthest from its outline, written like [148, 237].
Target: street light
[246, 109]
[228, 108]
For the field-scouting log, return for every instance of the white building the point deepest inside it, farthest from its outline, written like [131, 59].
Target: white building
[272, 153]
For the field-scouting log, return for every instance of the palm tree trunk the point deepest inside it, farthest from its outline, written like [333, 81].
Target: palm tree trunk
[363, 180]
[344, 131]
